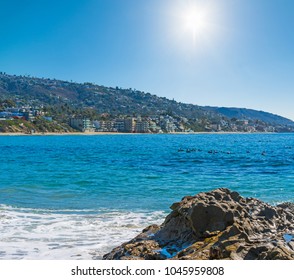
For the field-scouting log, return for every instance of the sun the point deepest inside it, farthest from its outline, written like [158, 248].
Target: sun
[195, 22]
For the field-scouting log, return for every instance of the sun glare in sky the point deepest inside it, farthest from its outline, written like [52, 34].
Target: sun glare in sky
[196, 23]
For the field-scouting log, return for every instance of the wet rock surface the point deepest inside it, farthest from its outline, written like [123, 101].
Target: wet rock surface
[219, 224]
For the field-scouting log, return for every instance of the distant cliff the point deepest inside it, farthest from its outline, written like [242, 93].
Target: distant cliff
[64, 99]
[241, 113]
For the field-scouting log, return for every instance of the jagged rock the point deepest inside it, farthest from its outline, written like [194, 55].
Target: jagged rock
[216, 225]
[287, 206]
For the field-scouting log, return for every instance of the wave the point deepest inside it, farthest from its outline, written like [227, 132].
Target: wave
[68, 234]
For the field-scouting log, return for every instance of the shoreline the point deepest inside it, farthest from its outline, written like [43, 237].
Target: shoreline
[124, 133]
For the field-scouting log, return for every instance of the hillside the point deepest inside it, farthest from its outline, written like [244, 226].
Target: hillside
[241, 113]
[64, 99]
[36, 91]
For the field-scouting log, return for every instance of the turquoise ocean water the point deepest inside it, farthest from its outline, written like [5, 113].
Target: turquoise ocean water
[76, 197]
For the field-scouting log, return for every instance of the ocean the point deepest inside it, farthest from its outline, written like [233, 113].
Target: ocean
[77, 197]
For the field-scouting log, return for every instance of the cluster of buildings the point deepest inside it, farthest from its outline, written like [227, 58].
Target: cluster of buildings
[240, 125]
[147, 124]
[24, 113]
[155, 124]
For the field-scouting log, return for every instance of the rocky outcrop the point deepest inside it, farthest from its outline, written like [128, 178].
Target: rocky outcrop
[216, 225]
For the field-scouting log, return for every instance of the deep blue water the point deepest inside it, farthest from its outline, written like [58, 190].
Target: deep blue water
[141, 171]
[138, 173]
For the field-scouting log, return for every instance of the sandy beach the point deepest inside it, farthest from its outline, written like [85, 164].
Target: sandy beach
[121, 133]
[63, 134]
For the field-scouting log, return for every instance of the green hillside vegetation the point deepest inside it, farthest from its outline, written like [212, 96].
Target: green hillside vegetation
[62, 100]
[38, 125]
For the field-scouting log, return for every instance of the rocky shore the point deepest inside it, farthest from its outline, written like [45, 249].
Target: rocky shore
[219, 224]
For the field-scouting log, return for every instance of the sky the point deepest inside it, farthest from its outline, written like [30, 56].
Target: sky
[232, 53]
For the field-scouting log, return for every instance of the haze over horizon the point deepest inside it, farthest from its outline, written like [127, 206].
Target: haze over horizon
[225, 53]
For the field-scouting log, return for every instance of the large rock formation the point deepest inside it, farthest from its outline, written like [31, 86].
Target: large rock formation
[216, 225]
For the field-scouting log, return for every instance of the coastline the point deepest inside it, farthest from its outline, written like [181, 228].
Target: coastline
[61, 134]
[125, 133]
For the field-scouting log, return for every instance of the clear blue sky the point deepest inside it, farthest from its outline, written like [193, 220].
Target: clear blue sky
[206, 52]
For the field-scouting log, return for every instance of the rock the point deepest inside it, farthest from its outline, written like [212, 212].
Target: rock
[287, 206]
[219, 224]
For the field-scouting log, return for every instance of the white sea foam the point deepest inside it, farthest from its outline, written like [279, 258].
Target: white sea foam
[63, 235]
